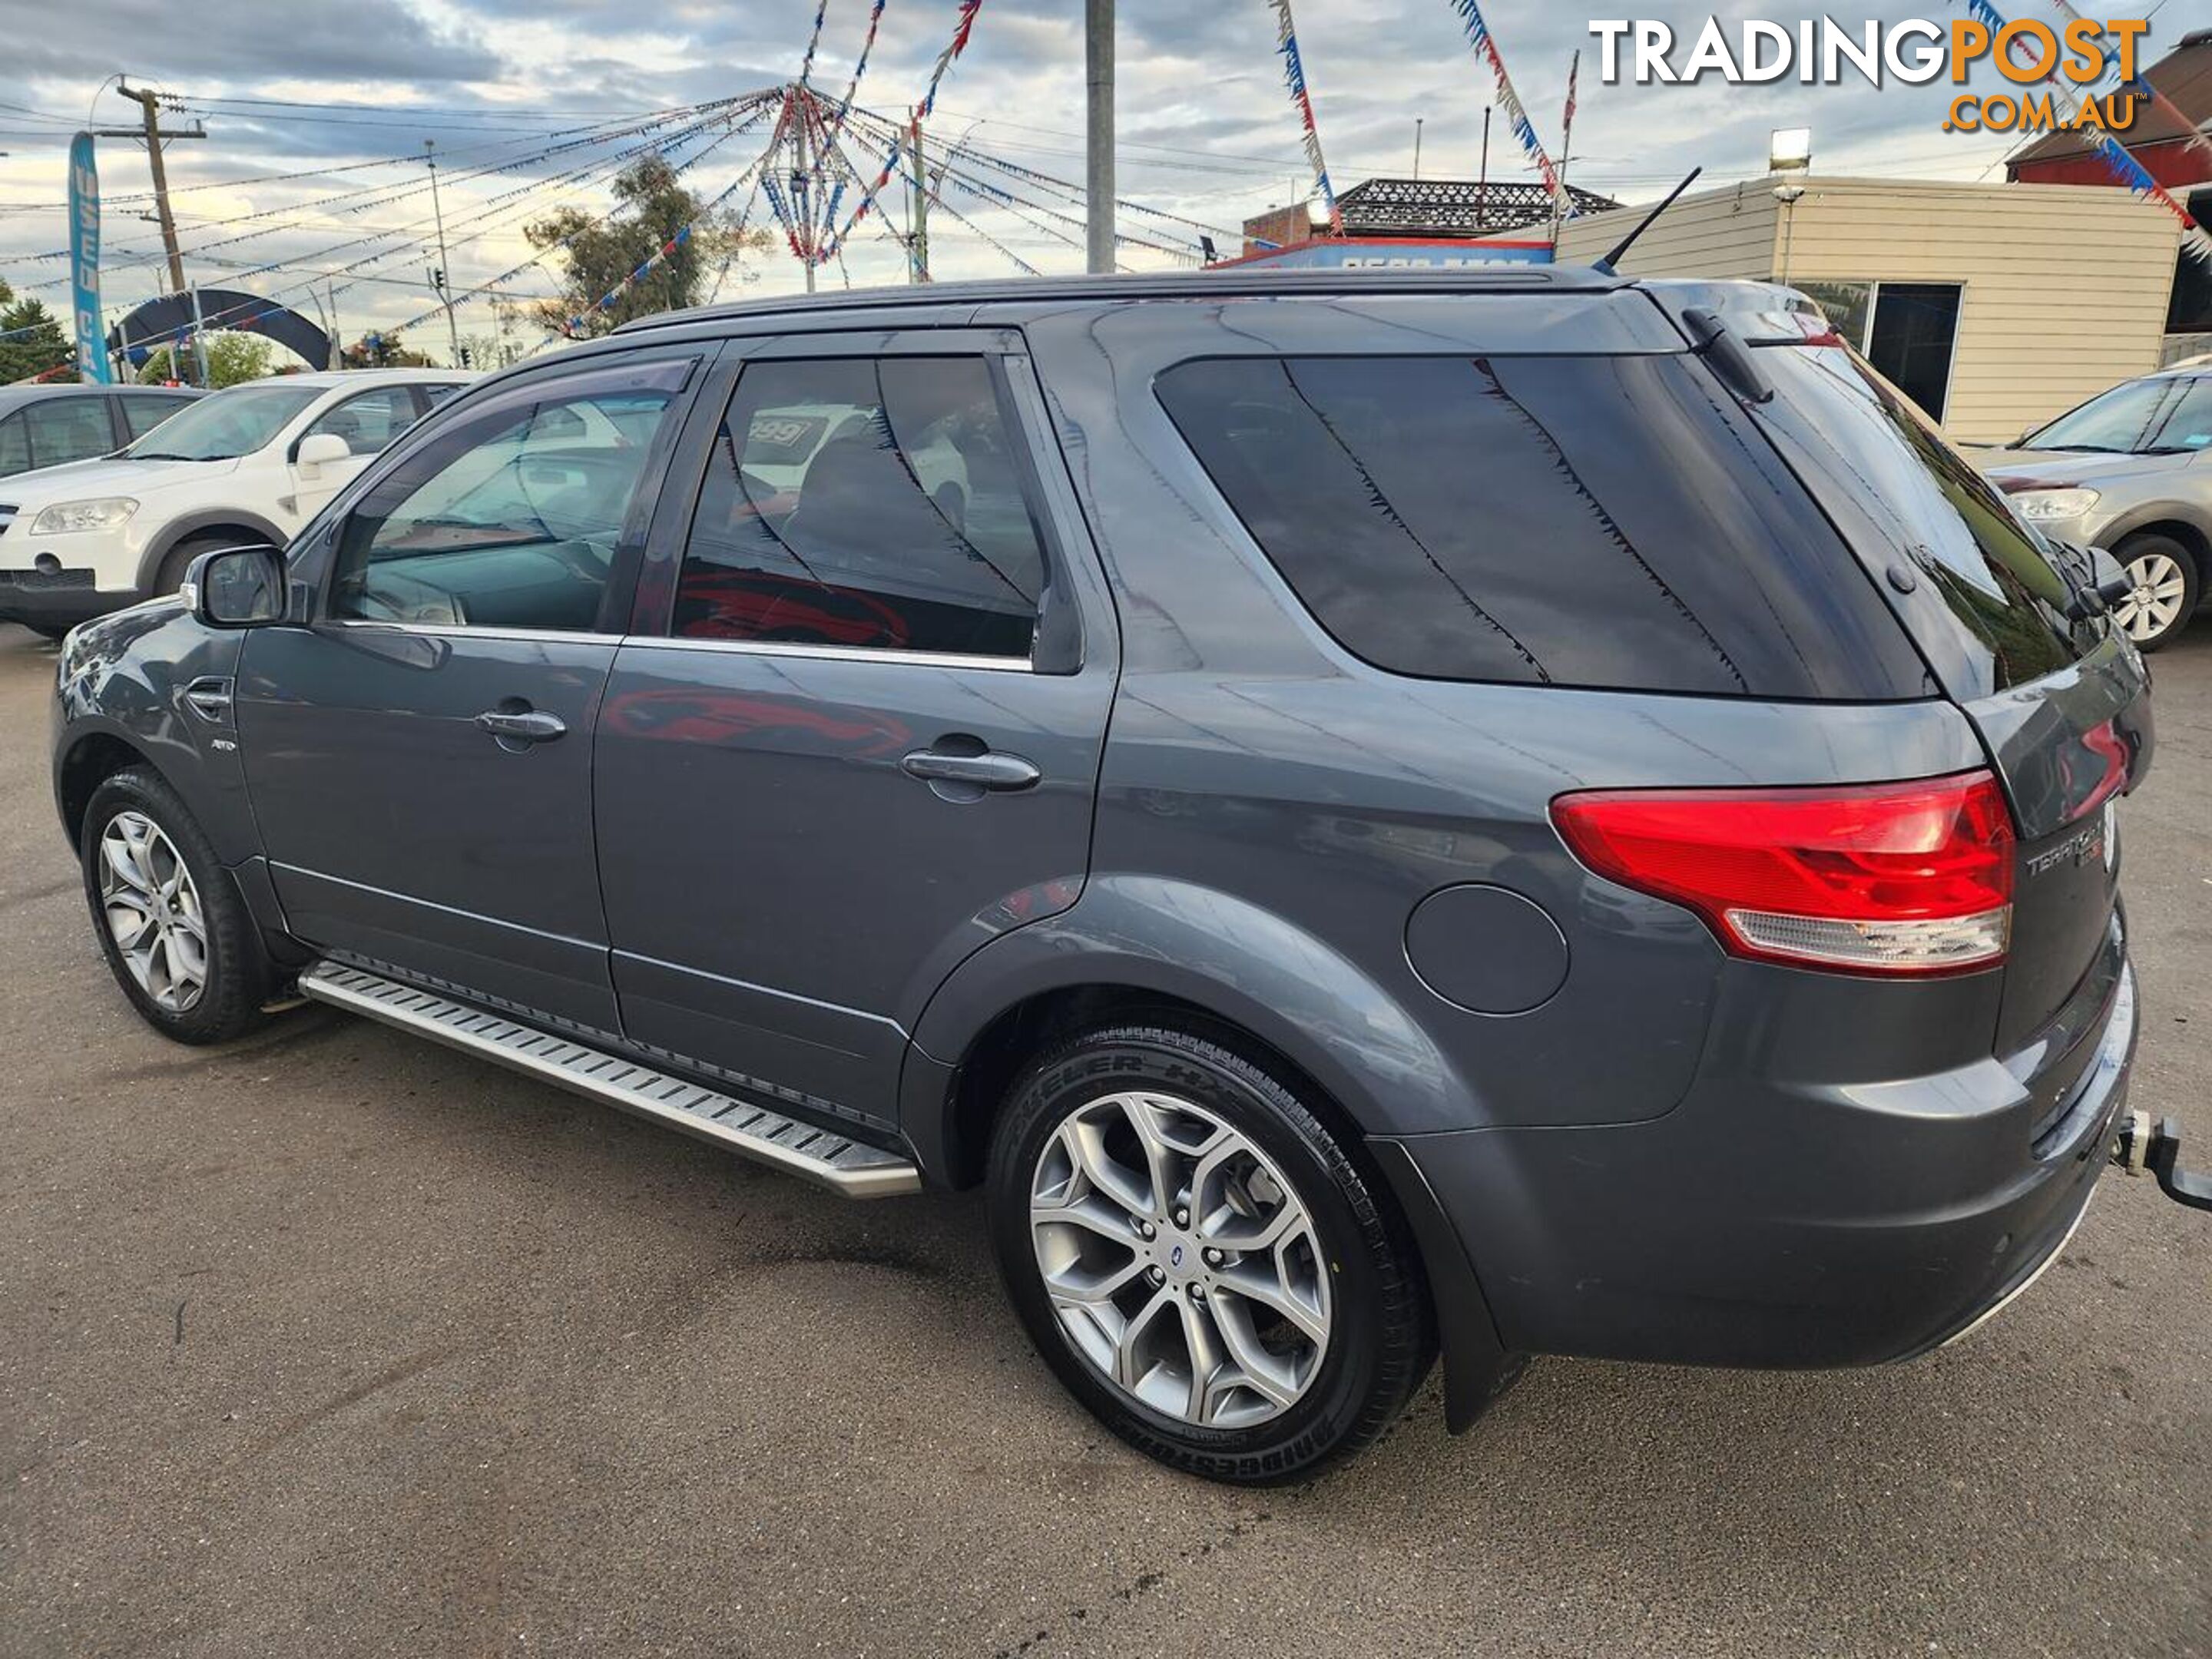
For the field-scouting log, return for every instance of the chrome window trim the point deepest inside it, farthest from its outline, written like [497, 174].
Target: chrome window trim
[659, 641]
[833, 652]
[464, 631]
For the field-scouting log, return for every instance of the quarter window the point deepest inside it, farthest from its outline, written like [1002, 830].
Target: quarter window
[15, 447]
[514, 519]
[867, 504]
[1599, 521]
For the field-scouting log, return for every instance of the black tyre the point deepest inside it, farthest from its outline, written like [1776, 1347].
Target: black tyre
[1200, 1261]
[2166, 582]
[170, 921]
[177, 563]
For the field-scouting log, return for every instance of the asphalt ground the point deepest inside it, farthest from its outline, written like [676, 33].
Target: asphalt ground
[334, 1343]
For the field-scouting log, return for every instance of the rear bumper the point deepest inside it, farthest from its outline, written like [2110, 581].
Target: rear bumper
[1784, 1225]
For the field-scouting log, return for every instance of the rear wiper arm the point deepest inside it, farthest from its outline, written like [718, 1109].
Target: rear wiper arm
[1730, 356]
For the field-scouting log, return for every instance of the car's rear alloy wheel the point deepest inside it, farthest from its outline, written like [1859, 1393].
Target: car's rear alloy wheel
[153, 912]
[1201, 1259]
[1180, 1261]
[2163, 592]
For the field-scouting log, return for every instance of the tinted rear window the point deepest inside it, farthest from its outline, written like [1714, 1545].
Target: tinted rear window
[1904, 497]
[1584, 521]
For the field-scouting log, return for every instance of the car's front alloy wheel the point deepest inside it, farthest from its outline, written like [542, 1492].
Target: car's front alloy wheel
[152, 910]
[171, 922]
[2162, 594]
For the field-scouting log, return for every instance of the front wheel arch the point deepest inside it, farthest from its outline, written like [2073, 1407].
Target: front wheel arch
[90, 762]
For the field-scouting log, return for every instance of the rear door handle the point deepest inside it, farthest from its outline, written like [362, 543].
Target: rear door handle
[521, 725]
[988, 770]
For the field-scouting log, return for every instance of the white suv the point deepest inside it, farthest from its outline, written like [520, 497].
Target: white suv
[253, 463]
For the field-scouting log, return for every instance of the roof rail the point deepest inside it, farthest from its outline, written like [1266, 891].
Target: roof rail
[1245, 283]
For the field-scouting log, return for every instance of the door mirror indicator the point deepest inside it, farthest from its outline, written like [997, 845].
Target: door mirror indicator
[318, 450]
[237, 587]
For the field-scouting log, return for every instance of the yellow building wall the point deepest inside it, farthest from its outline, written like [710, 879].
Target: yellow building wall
[2065, 286]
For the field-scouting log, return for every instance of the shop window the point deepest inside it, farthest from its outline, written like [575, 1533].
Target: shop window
[1907, 330]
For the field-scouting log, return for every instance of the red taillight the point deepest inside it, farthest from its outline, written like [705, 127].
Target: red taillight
[1887, 879]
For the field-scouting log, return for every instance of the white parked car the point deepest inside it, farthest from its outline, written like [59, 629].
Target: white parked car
[253, 463]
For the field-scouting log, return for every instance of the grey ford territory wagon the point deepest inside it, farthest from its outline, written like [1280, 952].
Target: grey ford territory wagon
[1376, 815]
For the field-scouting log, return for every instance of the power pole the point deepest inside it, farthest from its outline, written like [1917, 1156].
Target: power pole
[1098, 73]
[1417, 148]
[444, 272]
[148, 101]
[920, 272]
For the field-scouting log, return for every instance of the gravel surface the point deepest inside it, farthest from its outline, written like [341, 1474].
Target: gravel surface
[333, 1342]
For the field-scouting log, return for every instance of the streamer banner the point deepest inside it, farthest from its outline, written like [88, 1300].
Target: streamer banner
[813, 40]
[860, 69]
[964, 26]
[1509, 101]
[1294, 77]
[2119, 160]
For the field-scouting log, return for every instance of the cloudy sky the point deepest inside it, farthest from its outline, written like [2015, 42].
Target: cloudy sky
[345, 92]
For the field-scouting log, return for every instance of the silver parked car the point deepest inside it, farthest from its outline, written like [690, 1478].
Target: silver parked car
[2129, 471]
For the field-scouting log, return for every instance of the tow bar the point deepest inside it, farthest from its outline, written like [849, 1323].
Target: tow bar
[2138, 1147]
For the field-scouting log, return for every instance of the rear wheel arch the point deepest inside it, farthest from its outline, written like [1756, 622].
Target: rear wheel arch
[1005, 1046]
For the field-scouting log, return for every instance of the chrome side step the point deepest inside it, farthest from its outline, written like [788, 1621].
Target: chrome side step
[823, 1156]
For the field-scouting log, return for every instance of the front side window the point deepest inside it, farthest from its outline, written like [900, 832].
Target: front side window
[868, 504]
[63, 430]
[1598, 521]
[513, 521]
[225, 425]
[2188, 425]
[369, 421]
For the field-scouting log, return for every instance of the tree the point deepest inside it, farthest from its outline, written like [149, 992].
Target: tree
[231, 356]
[382, 351]
[31, 340]
[650, 208]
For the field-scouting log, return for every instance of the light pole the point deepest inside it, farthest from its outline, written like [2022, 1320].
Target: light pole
[444, 276]
[1099, 76]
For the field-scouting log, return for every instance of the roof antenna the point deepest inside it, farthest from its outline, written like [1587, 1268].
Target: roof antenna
[1606, 264]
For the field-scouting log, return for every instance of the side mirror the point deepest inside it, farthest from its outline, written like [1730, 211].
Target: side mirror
[318, 450]
[237, 587]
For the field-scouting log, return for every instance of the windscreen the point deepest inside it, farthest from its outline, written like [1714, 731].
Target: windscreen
[225, 426]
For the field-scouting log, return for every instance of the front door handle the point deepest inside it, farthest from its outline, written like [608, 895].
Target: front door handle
[517, 727]
[988, 770]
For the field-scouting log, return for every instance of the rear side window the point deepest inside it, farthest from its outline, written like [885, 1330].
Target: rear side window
[873, 504]
[1584, 521]
[1906, 498]
[67, 429]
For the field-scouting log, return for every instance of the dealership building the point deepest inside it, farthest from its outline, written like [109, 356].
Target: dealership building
[1995, 306]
